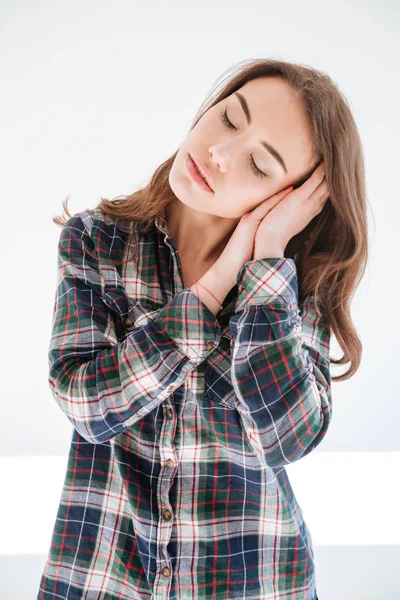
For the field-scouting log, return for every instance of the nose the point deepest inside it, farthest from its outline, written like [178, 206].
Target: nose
[221, 157]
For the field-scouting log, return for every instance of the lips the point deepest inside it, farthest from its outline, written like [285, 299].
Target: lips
[202, 171]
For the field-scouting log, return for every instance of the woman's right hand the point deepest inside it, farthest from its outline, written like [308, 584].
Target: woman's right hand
[239, 249]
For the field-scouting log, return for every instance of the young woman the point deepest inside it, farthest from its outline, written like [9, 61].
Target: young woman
[190, 349]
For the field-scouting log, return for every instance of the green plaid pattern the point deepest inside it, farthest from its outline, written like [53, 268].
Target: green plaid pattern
[182, 423]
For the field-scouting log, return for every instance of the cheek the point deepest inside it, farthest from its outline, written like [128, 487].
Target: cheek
[234, 204]
[206, 129]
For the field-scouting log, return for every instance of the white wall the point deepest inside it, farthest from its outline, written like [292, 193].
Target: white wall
[84, 114]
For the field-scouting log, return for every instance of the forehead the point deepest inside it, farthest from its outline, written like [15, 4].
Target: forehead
[280, 118]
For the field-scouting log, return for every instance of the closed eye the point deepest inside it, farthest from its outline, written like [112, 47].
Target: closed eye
[226, 121]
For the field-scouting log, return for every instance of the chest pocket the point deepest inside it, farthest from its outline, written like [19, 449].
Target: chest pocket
[121, 310]
[126, 312]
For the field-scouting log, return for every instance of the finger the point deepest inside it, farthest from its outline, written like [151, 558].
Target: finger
[269, 203]
[318, 201]
[320, 193]
[280, 195]
[313, 181]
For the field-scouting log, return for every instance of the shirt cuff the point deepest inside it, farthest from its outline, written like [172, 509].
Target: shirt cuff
[190, 324]
[267, 281]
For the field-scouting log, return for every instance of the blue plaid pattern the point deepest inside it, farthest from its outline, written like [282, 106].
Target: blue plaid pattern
[182, 423]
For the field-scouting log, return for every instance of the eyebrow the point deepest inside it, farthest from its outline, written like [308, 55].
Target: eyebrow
[268, 147]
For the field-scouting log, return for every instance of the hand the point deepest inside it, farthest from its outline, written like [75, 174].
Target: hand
[291, 215]
[240, 247]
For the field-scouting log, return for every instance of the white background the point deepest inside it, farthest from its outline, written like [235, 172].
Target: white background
[94, 96]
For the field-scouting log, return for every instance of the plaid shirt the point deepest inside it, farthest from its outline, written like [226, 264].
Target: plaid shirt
[183, 423]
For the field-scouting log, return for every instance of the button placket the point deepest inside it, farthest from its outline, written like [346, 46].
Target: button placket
[165, 482]
[128, 322]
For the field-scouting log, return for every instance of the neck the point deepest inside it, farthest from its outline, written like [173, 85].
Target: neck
[198, 236]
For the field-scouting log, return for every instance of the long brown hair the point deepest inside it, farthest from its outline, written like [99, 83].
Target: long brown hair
[331, 252]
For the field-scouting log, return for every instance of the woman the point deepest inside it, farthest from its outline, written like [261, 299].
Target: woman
[190, 349]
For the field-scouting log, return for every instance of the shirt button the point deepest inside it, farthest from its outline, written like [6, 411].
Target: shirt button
[167, 515]
[240, 287]
[170, 463]
[170, 413]
[166, 572]
[128, 322]
[171, 388]
[209, 345]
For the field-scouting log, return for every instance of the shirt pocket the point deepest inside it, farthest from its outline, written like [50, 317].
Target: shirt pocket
[126, 312]
[121, 310]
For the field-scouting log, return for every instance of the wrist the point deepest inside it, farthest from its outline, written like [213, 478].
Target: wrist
[219, 274]
[269, 255]
[212, 289]
[219, 281]
[270, 252]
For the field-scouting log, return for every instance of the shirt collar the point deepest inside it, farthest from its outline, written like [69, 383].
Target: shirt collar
[159, 222]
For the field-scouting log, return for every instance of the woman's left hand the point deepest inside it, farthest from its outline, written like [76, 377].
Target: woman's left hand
[291, 215]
